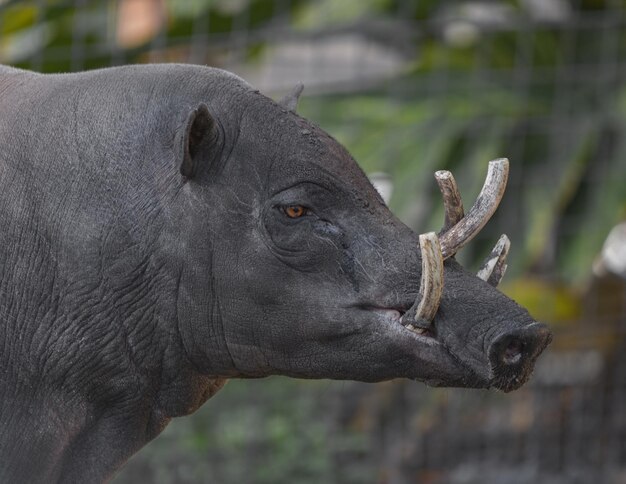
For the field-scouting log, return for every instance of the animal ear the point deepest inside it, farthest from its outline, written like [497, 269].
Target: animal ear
[290, 101]
[199, 134]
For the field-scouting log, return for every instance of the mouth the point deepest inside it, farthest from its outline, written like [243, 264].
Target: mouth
[433, 362]
[395, 316]
[511, 356]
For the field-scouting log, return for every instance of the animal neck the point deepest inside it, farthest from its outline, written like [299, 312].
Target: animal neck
[53, 435]
[46, 437]
[78, 408]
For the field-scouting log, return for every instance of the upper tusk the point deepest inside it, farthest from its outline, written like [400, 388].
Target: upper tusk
[457, 231]
[431, 284]
[451, 199]
[486, 204]
[494, 266]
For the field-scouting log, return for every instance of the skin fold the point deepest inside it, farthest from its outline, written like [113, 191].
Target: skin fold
[167, 227]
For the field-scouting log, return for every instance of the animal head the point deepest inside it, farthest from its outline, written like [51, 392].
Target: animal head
[299, 268]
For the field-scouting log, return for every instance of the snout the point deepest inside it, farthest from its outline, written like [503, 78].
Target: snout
[512, 355]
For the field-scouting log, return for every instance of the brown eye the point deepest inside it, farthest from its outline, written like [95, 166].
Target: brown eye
[295, 211]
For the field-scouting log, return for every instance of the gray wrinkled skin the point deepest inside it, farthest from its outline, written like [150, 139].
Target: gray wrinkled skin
[129, 292]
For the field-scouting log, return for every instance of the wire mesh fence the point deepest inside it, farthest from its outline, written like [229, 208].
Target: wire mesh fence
[411, 87]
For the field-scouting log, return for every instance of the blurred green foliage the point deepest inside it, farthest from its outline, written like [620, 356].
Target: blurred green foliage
[442, 133]
[276, 429]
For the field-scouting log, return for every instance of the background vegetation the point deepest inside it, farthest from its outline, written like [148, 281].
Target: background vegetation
[411, 87]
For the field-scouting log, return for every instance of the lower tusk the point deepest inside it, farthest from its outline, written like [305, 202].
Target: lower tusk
[431, 285]
[494, 266]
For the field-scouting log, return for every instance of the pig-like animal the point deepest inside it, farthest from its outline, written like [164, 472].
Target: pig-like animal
[166, 227]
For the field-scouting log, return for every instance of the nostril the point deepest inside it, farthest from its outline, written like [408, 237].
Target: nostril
[516, 347]
[512, 353]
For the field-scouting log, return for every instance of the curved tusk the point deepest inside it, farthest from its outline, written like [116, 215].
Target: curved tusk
[494, 266]
[431, 284]
[451, 199]
[486, 204]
